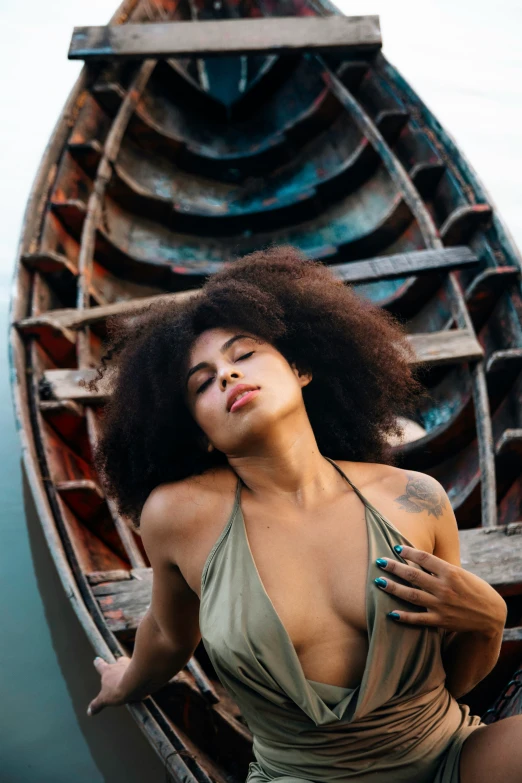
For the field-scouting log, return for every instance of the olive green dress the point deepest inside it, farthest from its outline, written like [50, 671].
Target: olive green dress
[400, 725]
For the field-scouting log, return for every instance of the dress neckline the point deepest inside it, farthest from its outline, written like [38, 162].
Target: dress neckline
[237, 508]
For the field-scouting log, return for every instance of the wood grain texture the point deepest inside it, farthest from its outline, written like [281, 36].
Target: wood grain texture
[446, 347]
[381, 268]
[495, 556]
[225, 37]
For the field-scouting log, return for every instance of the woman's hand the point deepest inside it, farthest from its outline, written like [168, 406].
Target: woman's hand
[110, 694]
[454, 598]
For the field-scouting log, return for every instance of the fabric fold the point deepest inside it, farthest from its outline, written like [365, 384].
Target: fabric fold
[400, 725]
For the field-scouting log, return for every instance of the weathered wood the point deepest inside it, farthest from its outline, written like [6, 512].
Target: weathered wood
[382, 268]
[461, 224]
[446, 347]
[65, 385]
[434, 348]
[124, 602]
[399, 265]
[97, 577]
[432, 239]
[495, 556]
[302, 173]
[74, 318]
[223, 37]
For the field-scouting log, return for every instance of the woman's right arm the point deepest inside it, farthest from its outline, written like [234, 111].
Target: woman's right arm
[169, 632]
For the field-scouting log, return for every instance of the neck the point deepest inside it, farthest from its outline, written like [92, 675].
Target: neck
[287, 466]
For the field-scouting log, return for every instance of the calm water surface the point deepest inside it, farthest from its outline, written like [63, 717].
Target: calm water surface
[464, 59]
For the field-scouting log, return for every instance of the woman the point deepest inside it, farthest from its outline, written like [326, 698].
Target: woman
[217, 442]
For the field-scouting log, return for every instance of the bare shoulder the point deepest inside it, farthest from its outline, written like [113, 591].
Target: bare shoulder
[182, 518]
[414, 502]
[416, 492]
[176, 507]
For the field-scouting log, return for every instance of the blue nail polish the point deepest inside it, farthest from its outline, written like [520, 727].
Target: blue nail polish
[381, 562]
[395, 615]
[381, 582]
[398, 548]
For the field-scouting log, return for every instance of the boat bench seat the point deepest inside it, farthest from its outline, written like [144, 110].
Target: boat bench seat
[450, 346]
[493, 555]
[224, 37]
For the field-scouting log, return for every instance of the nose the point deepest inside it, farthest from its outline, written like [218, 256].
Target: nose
[227, 375]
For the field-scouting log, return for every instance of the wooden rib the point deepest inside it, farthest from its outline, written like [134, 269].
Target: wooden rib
[84, 496]
[234, 162]
[103, 175]
[67, 418]
[49, 261]
[485, 289]
[341, 232]
[460, 226]
[86, 261]
[499, 360]
[224, 37]
[224, 209]
[237, 209]
[460, 313]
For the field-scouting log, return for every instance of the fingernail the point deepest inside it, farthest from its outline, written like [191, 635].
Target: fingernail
[398, 548]
[89, 711]
[97, 658]
[395, 615]
[381, 582]
[381, 562]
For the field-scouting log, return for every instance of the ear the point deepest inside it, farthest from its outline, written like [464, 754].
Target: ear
[204, 443]
[303, 377]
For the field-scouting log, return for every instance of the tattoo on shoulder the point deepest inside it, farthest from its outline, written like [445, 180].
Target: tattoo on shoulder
[422, 495]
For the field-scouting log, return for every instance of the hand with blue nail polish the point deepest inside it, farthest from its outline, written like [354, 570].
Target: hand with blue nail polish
[449, 596]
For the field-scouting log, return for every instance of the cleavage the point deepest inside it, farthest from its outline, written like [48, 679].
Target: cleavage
[315, 579]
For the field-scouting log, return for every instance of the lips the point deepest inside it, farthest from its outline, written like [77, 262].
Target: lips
[237, 390]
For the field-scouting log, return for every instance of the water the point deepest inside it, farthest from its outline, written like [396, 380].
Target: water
[465, 61]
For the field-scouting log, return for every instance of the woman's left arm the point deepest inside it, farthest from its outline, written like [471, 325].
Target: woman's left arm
[468, 658]
[465, 605]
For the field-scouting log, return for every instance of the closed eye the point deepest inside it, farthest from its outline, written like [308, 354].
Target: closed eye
[206, 383]
[203, 386]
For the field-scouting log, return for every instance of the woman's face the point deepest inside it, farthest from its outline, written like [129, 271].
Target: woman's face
[222, 359]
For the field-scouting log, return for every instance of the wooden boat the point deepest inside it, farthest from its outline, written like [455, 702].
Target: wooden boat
[185, 145]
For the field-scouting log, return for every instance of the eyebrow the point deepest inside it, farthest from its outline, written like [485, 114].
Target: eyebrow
[223, 348]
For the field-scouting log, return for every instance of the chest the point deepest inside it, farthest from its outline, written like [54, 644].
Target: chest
[315, 569]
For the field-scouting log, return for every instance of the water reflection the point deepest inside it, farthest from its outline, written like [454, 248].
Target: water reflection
[119, 749]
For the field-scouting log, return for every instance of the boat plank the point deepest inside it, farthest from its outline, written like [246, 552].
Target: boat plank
[225, 37]
[445, 347]
[494, 556]
[401, 264]
[384, 267]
